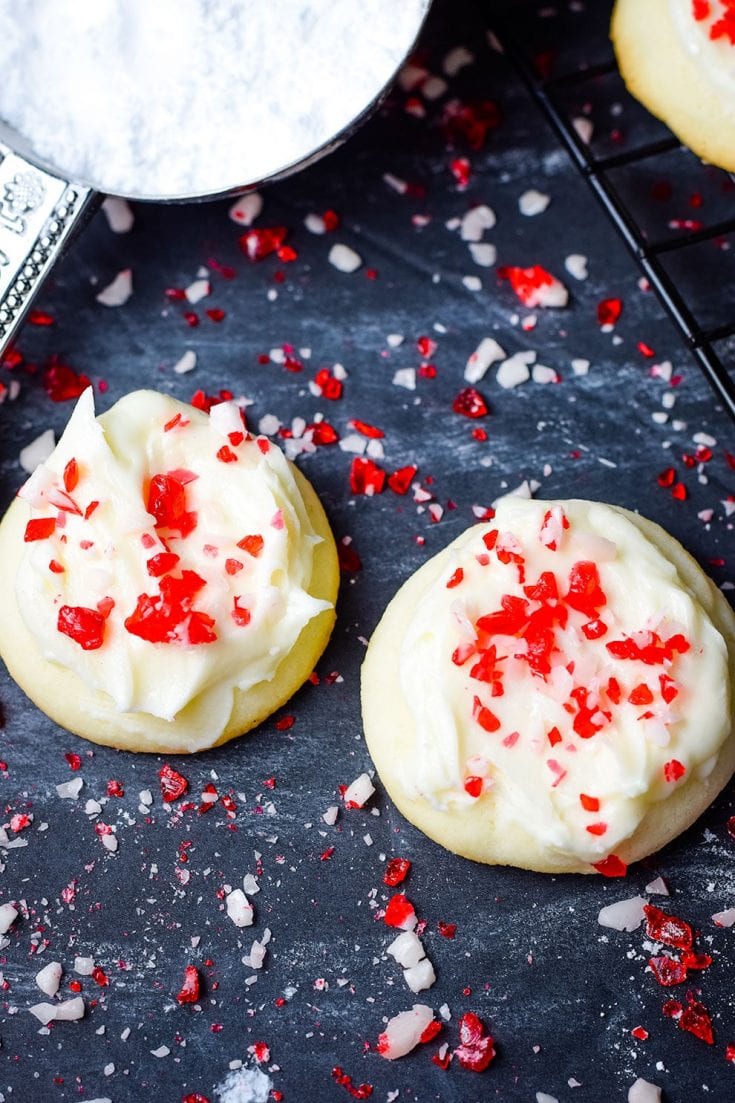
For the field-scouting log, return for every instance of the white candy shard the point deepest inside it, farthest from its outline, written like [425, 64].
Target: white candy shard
[187, 363]
[359, 792]
[119, 291]
[197, 291]
[403, 1032]
[70, 790]
[246, 209]
[576, 265]
[542, 1097]
[344, 259]
[239, 908]
[483, 253]
[407, 949]
[49, 978]
[37, 452]
[658, 886]
[421, 976]
[642, 1091]
[44, 1012]
[68, 1011]
[533, 202]
[8, 916]
[119, 215]
[625, 915]
[515, 370]
[488, 352]
[724, 919]
[476, 221]
[84, 966]
[584, 128]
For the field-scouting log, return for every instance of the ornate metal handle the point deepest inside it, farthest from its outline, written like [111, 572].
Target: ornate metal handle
[38, 214]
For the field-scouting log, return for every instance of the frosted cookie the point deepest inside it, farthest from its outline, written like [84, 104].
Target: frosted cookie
[553, 690]
[168, 579]
[678, 58]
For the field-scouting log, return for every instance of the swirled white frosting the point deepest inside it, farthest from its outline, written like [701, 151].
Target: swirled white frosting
[103, 553]
[540, 772]
[714, 56]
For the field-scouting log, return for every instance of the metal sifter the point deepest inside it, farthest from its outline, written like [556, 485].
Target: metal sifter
[42, 207]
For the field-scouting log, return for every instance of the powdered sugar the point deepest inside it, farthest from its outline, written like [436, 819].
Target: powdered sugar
[188, 97]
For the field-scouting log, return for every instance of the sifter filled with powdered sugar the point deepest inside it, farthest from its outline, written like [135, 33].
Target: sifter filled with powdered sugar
[172, 100]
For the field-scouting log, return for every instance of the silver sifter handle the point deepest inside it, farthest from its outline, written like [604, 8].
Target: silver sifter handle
[38, 214]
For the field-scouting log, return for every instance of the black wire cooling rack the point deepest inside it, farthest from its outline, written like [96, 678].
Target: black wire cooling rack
[553, 93]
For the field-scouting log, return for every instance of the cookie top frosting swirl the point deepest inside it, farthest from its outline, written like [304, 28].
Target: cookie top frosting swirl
[167, 558]
[560, 665]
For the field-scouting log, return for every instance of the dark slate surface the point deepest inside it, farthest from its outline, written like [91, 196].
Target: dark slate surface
[559, 994]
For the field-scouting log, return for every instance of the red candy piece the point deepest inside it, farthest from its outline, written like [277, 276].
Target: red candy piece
[189, 991]
[473, 786]
[471, 122]
[585, 594]
[470, 403]
[696, 1020]
[85, 626]
[396, 870]
[668, 971]
[641, 695]
[612, 866]
[253, 545]
[476, 1049]
[366, 477]
[608, 311]
[168, 617]
[71, 475]
[668, 929]
[399, 909]
[161, 564]
[173, 784]
[39, 528]
[167, 503]
[357, 1091]
[260, 243]
[674, 770]
[62, 383]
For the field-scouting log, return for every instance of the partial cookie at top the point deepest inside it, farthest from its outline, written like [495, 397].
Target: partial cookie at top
[678, 58]
[168, 578]
[554, 690]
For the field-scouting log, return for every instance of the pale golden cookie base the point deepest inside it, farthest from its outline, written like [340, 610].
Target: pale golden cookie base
[660, 73]
[92, 714]
[473, 832]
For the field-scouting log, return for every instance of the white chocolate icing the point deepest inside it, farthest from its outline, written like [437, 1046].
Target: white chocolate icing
[715, 57]
[533, 780]
[106, 555]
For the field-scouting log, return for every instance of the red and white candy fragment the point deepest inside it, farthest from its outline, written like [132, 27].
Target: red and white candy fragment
[536, 287]
[239, 908]
[404, 1032]
[359, 792]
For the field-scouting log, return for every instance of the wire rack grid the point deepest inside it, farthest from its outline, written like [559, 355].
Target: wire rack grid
[549, 92]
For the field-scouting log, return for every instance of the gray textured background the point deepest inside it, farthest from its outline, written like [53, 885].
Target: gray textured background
[540, 970]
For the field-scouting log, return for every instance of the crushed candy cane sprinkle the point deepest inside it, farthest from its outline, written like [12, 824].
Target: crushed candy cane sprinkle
[167, 556]
[584, 679]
